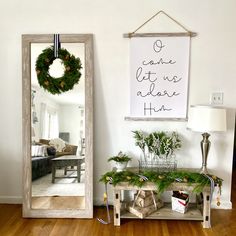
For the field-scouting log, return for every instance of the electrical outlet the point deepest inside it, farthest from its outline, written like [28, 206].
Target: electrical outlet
[217, 98]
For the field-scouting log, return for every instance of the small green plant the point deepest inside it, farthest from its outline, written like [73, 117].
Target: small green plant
[121, 157]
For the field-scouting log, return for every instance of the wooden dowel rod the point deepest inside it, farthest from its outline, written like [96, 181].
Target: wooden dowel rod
[177, 34]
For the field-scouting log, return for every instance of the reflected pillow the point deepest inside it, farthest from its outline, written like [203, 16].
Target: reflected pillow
[38, 150]
[51, 151]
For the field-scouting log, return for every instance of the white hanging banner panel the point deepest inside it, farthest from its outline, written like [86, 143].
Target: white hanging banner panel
[159, 77]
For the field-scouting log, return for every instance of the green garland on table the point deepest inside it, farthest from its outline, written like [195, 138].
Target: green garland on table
[162, 180]
[71, 74]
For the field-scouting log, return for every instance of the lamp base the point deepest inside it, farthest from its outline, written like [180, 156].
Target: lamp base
[205, 146]
[204, 170]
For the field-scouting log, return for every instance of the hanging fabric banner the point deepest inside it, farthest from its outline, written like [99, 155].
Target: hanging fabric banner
[57, 45]
[159, 76]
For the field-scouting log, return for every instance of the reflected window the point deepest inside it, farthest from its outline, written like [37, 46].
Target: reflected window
[50, 123]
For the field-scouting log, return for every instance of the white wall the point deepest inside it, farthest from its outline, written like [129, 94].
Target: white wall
[212, 69]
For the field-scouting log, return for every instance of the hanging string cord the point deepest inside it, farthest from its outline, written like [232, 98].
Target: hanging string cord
[107, 207]
[155, 16]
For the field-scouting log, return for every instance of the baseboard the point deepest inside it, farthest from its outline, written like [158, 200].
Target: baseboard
[11, 199]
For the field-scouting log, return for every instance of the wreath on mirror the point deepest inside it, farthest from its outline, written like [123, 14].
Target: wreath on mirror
[71, 76]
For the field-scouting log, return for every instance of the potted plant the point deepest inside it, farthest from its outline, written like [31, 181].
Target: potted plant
[121, 160]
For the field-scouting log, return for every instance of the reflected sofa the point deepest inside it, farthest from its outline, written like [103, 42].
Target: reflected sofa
[42, 161]
[68, 150]
[41, 166]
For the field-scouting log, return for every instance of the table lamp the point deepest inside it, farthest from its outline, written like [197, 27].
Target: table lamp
[206, 119]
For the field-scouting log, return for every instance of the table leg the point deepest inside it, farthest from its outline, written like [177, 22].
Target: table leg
[117, 207]
[206, 210]
[53, 173]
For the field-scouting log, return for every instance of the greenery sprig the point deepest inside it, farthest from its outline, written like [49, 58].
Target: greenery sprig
[160, 143]
[121, 157]
[71, 74]
[162, 180]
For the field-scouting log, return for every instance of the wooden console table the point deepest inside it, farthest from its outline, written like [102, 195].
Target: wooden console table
[195, 211]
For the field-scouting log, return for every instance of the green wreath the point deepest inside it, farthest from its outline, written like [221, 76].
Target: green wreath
[71, 74]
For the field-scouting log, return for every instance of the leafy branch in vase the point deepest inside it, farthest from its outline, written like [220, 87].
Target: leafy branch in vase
[158, 144]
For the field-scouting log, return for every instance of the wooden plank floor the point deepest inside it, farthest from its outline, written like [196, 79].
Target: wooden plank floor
[11, 223]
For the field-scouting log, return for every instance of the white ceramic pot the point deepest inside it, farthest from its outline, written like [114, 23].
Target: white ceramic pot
[120, 166]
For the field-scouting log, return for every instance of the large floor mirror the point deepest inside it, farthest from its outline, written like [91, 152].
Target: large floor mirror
[57, 126]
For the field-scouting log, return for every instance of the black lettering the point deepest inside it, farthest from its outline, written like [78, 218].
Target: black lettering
[174, 79]
[158, 62]
[157, 46]
[152, 109]
[158, 93]
[140, 77]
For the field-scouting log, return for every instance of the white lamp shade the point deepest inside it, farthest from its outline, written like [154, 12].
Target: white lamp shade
[206, 118]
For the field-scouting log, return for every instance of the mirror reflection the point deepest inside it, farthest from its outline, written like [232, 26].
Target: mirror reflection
[58, 137]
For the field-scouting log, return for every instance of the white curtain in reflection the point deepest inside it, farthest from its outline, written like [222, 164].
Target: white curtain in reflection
[53, 126]
[43, 122]
[49, 122]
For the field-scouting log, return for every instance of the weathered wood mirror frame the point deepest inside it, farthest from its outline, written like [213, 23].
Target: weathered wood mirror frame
[87, 40]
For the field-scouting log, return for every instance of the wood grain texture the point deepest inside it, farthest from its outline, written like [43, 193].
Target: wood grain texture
[152, 186]
[87, 39]
[12, 223]
[167, 213]
[62, 202]
[117, 207]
